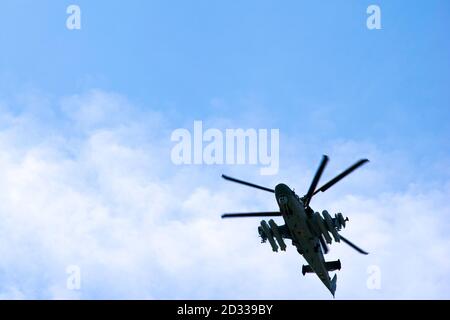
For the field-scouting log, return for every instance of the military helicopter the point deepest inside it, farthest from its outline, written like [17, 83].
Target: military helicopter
[308, 230]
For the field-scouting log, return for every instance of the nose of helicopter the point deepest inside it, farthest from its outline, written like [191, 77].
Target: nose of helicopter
[282, 190]
[282, 194]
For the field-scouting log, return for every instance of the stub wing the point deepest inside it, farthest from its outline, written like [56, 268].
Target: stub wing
[284, 231]
[274, 234]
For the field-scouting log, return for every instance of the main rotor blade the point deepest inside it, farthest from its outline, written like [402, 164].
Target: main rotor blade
[340, 176]
[251, 214]
[247, 183]
[353, 245]
[315, 180]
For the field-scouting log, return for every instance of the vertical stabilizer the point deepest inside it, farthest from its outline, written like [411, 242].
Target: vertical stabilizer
[333, 285]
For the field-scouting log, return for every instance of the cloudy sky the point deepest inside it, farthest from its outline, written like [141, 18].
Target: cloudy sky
[86, 177]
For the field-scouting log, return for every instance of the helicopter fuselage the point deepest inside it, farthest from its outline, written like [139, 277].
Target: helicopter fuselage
[307, 244]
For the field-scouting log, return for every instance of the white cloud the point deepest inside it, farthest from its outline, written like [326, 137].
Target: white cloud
[95, 187]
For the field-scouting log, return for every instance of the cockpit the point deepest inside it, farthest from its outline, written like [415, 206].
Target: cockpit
[283, 200]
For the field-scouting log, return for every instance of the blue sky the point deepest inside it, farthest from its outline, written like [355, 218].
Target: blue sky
[310, 68]
[310, 61]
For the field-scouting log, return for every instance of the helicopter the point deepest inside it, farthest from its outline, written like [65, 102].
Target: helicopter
[309, 231]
